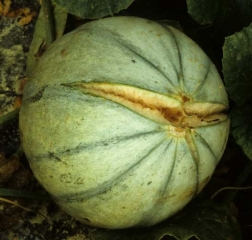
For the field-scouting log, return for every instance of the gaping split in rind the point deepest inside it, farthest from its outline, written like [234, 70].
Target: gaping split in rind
[123, 121]
[155, 106]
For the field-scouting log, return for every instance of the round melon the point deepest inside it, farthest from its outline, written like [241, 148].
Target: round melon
[123, 122]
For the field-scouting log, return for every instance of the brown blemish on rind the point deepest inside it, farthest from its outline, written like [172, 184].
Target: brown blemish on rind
[185, 98]
[63, 52]
[188, 194]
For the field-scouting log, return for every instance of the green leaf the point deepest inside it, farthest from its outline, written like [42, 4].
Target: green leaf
[94, 9]
[245, 9]
[241, 128]
[249, 3]
[201, 221]
[237, 62]
[50, 25]
[59, 19]
[203, 11]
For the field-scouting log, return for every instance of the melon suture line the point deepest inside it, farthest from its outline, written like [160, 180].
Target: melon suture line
[135, 111]
[155, 106]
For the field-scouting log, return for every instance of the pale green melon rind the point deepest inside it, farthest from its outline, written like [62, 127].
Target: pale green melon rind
[67, 160]
[141, 54]
[159, 197]
[148, 217]
[57, 124]
[210, 143]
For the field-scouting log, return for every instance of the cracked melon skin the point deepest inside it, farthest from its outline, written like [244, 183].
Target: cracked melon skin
[123, 122]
